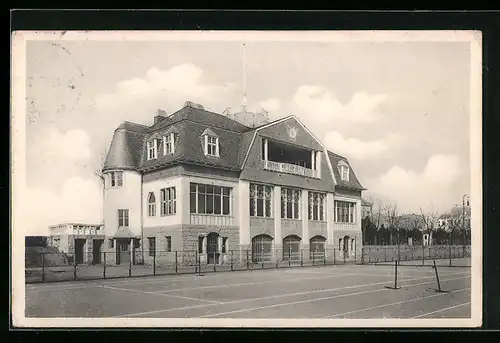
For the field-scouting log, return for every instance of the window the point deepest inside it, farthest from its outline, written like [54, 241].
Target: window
[343, 170]
[169, 143]
[210, 199]
[122, 217]
[344, 212]
[116, 178]
[168, 197]
[152, 149]
[316, 206]
[212, 146]
[152, 246]
[152, 205]
[168, 243]
[261, 200]
[290, 203]
[111, 243]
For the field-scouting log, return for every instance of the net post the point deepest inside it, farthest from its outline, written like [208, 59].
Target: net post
[396, 275]
[437, 278]
[176, 264]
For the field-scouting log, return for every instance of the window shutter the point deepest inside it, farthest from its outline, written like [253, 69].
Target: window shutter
[206, 145]
[217, 146]
[164, 145]
[172, 142]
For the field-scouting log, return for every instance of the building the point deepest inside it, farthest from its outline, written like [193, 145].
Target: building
[83, 241]
[210, 186]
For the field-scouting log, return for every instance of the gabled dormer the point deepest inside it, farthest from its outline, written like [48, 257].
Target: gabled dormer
[170, 140]
[343, 168]
[210, 141]
[154, 144]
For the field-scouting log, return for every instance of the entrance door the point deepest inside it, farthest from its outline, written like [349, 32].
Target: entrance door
[96, 250]
[213, 248]
[346, 246]
[122, 251]
[79, 244]
[291, 248]
[262, 248]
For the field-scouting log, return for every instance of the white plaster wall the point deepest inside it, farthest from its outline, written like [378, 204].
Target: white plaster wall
[156, 186]
[128, 197]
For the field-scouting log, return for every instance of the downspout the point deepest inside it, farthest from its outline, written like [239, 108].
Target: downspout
[142, 219]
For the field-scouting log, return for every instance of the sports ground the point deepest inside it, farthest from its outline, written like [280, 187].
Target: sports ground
[341, 291]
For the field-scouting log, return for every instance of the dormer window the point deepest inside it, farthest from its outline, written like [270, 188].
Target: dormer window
[343, 171]
[211, 143]
[169, 143]
[152, 149]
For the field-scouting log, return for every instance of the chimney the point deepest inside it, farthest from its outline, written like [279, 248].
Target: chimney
[160, 115]
[194, 105]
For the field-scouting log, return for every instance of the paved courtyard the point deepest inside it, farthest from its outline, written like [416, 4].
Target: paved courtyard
[347, 291]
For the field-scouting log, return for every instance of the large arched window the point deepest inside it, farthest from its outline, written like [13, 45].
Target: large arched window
[291, 248]
[262, 248]
[151, 204]
[317, 247]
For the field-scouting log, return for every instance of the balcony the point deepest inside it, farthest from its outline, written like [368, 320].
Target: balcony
[287, 168]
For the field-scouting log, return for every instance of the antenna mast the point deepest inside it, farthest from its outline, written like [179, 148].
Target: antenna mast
[244, 76]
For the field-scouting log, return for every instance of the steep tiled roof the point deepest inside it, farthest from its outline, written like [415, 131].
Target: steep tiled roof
[353, 182]
[128, 149]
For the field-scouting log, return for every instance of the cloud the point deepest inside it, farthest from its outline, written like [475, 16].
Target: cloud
[73, 145]
[413, 190]
[271, 104]
[138, 98]
[323, 106]
[78, 200]
[359, 149]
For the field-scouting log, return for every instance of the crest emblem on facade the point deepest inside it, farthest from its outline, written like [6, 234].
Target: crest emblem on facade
[292, 132]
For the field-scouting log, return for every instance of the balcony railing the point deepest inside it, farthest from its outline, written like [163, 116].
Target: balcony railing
[288, 168]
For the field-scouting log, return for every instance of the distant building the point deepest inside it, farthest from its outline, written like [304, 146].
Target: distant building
[84, 241]
[366, 208]
[204, 184]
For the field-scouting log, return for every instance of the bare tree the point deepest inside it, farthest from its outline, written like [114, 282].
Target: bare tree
[392, 217]
[376, 213]
[99, 166]
[429, 221]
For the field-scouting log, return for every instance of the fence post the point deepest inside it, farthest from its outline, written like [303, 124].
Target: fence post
[289, 258]
[176, 268]
[343, 251]
[231, 260]
[130, 263]
[196, 261]
[385, 254]
[199, 265]
[154, 263]
[104, 266]
[334, 253]
[43, 267]
[302, 257]
[74, 269]
[276, 258]
[214, 261]
[248, 262]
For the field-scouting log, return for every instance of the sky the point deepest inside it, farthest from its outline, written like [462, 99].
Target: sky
[399, 111]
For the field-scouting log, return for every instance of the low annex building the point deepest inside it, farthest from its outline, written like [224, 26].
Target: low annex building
[208, 185]
[83, 241]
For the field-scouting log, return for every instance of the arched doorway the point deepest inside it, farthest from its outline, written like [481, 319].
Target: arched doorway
[317, 247]
[262, 246]
[291, 248]
[346, 246]
[213, 248]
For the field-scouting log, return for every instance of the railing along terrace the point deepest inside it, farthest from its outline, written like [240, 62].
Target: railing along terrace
[289, 168]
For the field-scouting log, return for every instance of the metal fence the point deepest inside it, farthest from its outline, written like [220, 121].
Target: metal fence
[51, 267]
